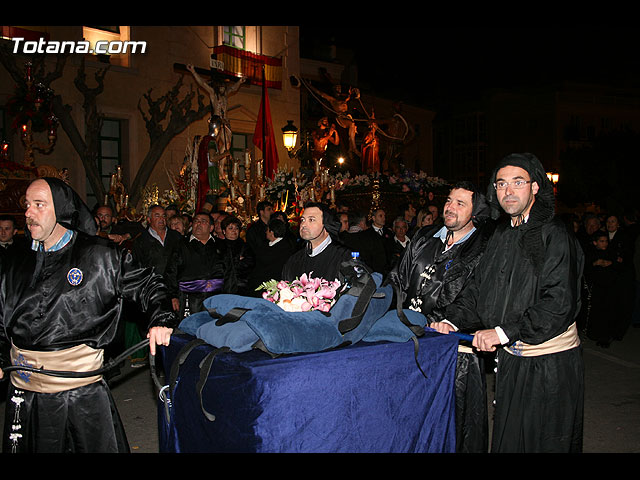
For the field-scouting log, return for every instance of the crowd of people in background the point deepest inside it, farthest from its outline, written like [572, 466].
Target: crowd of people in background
[611, 283]
[242, 259]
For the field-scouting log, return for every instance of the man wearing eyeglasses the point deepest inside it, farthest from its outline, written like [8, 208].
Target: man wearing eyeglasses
[522, 301]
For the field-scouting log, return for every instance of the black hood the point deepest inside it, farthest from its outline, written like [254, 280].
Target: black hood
[542, 211]
[71, 212]
[544, 206]
[481, 210]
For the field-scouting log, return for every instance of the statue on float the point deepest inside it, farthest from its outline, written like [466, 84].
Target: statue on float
[322, 136]
[371, 149]
[219, 93]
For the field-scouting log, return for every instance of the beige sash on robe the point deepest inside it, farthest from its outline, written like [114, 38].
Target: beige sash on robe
[80, 358]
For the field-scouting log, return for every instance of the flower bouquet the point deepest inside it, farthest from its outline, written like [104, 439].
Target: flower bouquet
[302, 294]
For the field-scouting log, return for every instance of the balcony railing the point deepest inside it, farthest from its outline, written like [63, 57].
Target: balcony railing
[237, 63]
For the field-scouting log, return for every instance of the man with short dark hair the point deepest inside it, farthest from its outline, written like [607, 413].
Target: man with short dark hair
[60, 306]
[255, 235]
[10, 243]
[171, 211]
[408, 212]
[115, 231]
[522, 301]
[343, 218]
[371, 242]
[104, 216]
[430, 275]
[195, 270]
[322, 254]
[379, 223]
[269, 265]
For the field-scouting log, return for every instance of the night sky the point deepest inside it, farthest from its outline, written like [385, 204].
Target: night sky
[459, 62]
[454, 64]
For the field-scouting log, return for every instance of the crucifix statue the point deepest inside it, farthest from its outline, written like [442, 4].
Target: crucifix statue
[219, 92]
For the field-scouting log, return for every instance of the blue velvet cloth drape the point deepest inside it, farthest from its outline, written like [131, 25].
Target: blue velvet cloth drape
[368, 397]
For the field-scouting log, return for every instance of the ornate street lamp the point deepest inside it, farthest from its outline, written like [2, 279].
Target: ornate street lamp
[290, 137]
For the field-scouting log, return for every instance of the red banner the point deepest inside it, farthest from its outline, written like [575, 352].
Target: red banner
[264, 138]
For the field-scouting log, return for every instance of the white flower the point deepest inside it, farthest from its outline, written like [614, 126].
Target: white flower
[297, 304]
[286, 294]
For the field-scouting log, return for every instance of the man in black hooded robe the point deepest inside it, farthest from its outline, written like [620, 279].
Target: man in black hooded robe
[523, 300]
[60, 305]
[430, 275]
[322, 254]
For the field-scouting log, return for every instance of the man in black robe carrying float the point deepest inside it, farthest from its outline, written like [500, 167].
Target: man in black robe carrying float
[522, 301]
[430, 275]
[60, 306]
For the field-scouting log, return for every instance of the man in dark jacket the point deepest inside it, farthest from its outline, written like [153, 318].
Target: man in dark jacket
[155, 246]
[10, 242]
[398, 243]
[152, 248]
[269, 265]
[431, 274]
[371, 242]
[60, 305]
[118, 231]
[195, 270]
[323, 254]
[255, 235]
[523, 300]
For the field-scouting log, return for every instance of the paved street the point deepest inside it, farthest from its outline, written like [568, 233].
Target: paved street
[612, 400]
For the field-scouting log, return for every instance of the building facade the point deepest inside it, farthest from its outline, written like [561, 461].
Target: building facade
[140, 73]
[548, 121]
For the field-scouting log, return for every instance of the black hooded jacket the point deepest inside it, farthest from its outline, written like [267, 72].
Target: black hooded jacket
[431, 278]
[451, 269]
[51, 300]
[528, 280]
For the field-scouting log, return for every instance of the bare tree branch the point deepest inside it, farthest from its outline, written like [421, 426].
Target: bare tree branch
[165, 117]
[161, 132]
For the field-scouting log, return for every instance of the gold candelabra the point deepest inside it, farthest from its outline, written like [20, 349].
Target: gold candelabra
[40, 96]
[319, 185]
[118, 192]
[244, 193]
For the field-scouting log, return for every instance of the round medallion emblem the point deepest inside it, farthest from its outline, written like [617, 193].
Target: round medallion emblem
[74, 276]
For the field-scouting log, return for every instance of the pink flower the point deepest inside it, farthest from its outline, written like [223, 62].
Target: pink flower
[302, 294]
[324, 307]
[326, 292]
